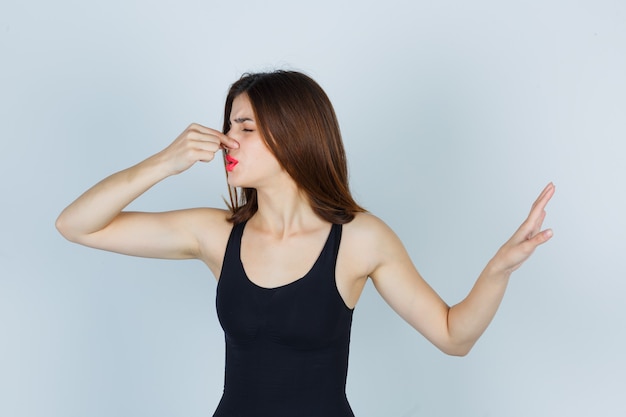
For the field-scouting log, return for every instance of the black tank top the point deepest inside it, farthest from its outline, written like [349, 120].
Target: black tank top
[286, 347]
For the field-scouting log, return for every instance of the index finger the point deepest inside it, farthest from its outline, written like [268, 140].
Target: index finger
[225, 141]
[545, 196]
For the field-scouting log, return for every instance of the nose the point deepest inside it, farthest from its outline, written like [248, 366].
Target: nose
[232, 134]
[227, 148]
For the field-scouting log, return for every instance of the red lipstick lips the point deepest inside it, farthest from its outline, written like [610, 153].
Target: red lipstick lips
[230, 163]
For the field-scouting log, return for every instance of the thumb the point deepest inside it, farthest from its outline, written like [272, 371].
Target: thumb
[229, 143]
[541, 237]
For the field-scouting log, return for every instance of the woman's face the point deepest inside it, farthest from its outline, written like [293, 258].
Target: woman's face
[252, 165]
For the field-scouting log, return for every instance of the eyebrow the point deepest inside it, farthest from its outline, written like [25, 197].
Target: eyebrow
[242, 119]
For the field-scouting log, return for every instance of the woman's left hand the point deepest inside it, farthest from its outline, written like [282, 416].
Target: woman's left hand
[529, 235]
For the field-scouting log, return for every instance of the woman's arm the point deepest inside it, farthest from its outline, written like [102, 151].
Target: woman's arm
[96, 219]
[455, 329]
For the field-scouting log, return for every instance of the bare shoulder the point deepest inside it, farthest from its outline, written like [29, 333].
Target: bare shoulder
[368, 239]
[368, 229]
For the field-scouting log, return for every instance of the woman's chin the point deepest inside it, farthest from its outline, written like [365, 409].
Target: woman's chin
[233, 182]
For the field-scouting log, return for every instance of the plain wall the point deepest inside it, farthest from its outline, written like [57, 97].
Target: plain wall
[455, 115]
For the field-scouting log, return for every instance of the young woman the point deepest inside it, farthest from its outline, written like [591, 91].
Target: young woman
[293, 252]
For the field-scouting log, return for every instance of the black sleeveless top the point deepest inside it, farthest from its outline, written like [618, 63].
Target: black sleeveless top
[286, 347]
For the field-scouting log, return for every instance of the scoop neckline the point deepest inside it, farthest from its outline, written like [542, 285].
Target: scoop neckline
[303, 277]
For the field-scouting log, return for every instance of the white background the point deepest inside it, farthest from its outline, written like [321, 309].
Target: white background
[455, 114]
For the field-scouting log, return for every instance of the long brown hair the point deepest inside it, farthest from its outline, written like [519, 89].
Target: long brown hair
[298, 123]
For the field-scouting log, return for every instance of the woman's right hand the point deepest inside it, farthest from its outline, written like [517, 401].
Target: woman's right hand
[197, 143]
[96, 218]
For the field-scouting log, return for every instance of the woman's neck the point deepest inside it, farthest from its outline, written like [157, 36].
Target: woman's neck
[284, 211]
